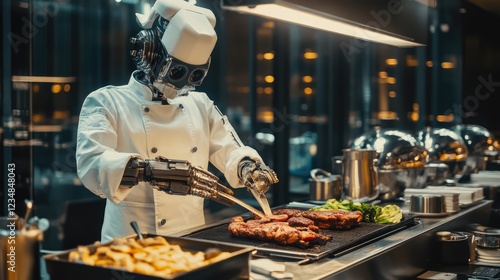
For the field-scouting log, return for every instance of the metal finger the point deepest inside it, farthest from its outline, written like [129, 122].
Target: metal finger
[225, 189]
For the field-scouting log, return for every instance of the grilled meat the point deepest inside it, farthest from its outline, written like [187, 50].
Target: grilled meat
[334, 219]
[289, 212]
[329, 219]
[278, 232]
[300, 222]
[272, 218]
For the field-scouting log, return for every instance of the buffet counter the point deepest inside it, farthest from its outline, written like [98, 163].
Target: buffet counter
[400, 255]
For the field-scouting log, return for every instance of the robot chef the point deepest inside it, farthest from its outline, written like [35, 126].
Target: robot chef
[146, 146]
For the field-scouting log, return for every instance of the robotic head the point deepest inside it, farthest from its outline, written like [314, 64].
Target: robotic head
[174, 48]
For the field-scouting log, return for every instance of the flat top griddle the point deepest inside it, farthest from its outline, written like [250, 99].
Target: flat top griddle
[343, 240]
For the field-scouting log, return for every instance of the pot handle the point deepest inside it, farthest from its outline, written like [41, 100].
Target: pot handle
[316, 170]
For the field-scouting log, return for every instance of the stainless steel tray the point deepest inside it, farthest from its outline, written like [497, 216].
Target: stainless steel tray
[237, 266]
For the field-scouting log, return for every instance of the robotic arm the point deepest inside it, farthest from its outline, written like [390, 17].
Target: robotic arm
[176, 177]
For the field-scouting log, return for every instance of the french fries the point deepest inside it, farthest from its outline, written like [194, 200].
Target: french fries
[152, 256]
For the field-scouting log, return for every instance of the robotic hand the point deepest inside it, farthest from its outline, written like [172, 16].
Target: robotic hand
[256, 176]
[177, 177]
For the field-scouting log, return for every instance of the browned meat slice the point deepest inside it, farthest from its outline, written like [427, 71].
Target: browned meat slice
[278, 232]
[300, 222]
[289, 212]
[273, 218]
[334, 219]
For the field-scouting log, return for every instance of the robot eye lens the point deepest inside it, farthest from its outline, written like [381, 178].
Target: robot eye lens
[197, 76]
[177, 72]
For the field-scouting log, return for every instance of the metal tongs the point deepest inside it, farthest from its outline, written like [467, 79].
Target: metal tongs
[262, 200]
[243, 204]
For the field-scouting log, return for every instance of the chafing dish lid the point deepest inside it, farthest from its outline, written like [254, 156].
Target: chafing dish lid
[396, 149]
[442, 144]
[478, 139]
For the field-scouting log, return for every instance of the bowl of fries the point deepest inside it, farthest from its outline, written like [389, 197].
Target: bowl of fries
[153, 257]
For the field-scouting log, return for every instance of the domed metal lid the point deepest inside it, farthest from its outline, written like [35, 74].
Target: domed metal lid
[479, 140]
[443, 144]
[397, 149]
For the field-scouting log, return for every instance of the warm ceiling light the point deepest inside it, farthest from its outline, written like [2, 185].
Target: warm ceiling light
[269, 79]
[447, 65]
[307, 79]
[382, 74]
[445, 118]
[391, 80]
[310, 55]
[56, 88]
[392, 94]
[308, 91]
[322, 15]
[268, 90]
[429, 63]
[391, 61]
[268, 56]
[411, 61]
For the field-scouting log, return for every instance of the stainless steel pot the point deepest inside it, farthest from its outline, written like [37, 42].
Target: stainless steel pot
[401, 160]
[359, 175]
[323, 185]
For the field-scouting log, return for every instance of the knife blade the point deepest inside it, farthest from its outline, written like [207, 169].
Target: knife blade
[243, 204]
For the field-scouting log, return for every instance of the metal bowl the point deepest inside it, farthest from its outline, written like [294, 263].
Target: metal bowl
[427, 204]
[445, 146]
[481, 146]
[401, 160]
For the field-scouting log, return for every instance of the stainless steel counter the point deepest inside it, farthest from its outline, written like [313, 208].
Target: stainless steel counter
[401, 255]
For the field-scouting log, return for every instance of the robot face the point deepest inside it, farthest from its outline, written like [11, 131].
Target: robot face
[180, 74]
[174, 49]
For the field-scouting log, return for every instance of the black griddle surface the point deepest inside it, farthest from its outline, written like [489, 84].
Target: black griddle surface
[342, 240]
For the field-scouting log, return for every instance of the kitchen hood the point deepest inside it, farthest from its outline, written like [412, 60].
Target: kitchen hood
[402, 23]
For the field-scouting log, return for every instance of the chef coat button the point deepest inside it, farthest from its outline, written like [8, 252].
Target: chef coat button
[154, 150]
[163, 222]
[194, 149]
[146, 109]
[181, 106]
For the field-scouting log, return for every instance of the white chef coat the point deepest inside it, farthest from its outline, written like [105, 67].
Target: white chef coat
[119, 122]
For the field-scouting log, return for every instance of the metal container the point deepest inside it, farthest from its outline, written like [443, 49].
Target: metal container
[236, 266]
[427, 204]
[359, 175]
[401, 160]
[480, 144]
[453, 248]
[325, 185]
[437, 174]
[20, 251]
[392, 183]
[445, 146]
